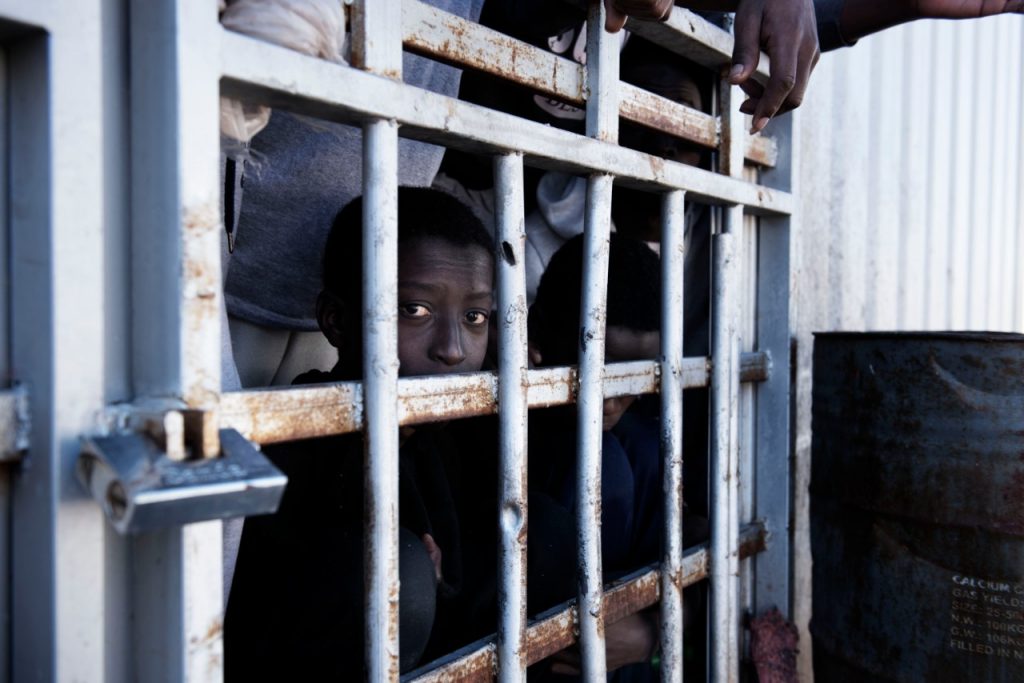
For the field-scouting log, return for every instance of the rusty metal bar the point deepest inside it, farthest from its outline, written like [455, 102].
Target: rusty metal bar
[377, 37]
[673, 213]
[279, 77]
[303, 412]
[655, 111]
[434, 32]
[695, 38]
[377, 48]
[602, 123]
[554, 630]
[512, 380]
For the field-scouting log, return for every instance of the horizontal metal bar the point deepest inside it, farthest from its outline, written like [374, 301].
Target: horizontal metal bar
[555, 629]
[288, 414]
[434, 32]
[14, 423]
[655, 111]
[261, 72]
[695, 38]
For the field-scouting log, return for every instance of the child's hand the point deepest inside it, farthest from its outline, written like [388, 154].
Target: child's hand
[434, 551]
[628, 641]
[619, 10]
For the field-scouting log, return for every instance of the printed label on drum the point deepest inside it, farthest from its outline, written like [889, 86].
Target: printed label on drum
[987, 617]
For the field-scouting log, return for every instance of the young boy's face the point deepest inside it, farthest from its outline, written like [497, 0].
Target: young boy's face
[444, 302]
[625, 344]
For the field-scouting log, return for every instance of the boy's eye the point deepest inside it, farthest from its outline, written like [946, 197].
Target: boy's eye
[476, 317]
[413, 310]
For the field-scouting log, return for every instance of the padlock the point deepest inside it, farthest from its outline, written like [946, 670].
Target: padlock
[142, 488]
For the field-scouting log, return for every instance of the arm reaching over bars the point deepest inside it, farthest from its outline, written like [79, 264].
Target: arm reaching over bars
[789, 31]
[785, 29]
[842, 22]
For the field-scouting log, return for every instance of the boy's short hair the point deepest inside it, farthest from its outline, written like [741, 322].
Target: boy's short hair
[422, 213]
[634, 299]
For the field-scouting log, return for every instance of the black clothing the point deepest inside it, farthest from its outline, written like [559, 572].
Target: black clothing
[296, 606]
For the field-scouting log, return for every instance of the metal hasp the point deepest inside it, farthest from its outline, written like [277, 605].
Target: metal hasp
[14, 424]
[142, 488]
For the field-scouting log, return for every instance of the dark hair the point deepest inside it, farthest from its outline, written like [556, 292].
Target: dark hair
[633, 296]
[422, 213]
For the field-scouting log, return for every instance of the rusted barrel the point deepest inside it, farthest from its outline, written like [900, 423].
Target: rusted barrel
[917, 507]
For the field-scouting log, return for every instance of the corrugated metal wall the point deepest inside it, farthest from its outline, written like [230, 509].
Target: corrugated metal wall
[910, 173]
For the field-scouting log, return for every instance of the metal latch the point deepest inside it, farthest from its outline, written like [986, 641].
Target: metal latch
[14, 423]
[143, 486]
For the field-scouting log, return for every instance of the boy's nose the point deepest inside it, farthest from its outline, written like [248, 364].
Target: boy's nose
[447, 347]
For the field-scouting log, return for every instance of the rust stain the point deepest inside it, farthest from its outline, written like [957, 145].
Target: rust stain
[559, 628]
[215, 631]
[285, 414]
[476, 666]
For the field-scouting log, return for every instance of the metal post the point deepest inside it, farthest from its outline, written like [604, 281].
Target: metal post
[380, 397]
[512, 382]
[590, 405]
[772, 469]
[176, 327]
[673, 216]
[726, 303]
[5, 376]
[602, 123]
[377, 48]
[724, 522]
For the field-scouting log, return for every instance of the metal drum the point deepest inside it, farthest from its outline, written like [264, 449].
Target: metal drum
[917, 507]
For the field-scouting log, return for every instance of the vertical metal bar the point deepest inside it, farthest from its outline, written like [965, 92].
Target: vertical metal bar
[380, 398]
[377, 37]
[724, 582]
[512, 368]
[590, 405]
[35, 550]
[176, 211]
[5, 374]
[772, 501]
[745, 434]
[602, 123]
[377, 47]
[672, 258]
[602, 77]
[176, 330]
[725, 644]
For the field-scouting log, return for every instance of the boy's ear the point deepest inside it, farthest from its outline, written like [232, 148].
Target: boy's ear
[331, 314]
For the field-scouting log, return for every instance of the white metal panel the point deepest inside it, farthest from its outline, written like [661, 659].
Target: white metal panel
[936, 239]
[882, 232]
[939, 179]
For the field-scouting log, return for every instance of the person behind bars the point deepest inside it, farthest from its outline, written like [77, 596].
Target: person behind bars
[296, 608]
[631, 472]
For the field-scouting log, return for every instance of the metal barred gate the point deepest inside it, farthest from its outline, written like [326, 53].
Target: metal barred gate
[114, 216]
